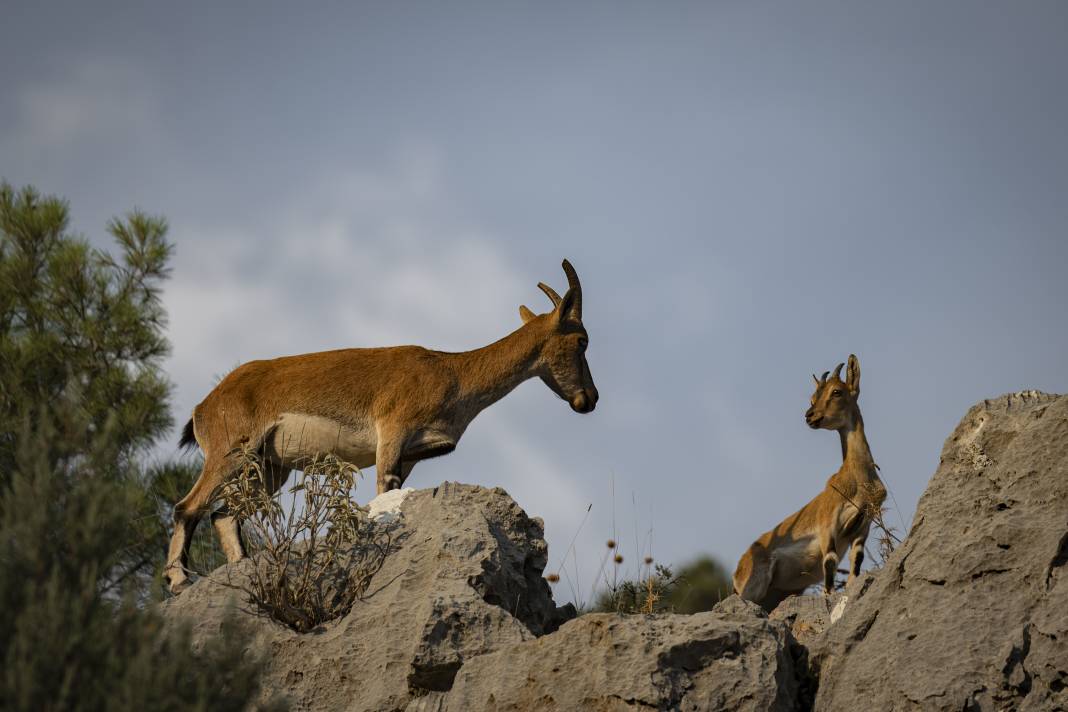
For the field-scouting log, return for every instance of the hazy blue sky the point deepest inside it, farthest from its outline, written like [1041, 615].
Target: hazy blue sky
[750, 191]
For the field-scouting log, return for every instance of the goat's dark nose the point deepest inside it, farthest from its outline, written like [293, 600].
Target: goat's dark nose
[581, 403]
[808, 413]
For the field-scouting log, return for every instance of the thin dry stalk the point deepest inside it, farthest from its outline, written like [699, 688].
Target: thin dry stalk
[887, 535]
[653, 594]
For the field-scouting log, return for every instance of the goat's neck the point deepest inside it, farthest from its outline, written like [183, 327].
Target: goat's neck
[856, 455]
[490, 373]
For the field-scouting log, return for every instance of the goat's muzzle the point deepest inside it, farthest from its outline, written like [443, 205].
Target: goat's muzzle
[584, 401]
[813, 422]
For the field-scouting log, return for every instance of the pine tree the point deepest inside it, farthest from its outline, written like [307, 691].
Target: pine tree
[72, 317]
[82, 396]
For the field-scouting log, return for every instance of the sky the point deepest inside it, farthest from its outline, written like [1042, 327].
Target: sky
[750, 192]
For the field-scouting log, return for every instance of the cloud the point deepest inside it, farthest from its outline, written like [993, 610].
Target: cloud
[359, 259]
[91, 101]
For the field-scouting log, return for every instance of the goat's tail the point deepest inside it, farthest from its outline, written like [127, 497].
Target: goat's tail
[188, 438]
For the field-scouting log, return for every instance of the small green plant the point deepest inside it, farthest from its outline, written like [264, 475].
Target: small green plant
[309, 564]
[696, 587]
[648, 593]
[702, 584]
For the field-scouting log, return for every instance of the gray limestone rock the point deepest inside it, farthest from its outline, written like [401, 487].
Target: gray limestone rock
[464, 579]
[971, 611]
[731, 658]
[808, 617]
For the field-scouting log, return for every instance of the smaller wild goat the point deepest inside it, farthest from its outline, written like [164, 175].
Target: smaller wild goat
[805, 548]
[388, 407]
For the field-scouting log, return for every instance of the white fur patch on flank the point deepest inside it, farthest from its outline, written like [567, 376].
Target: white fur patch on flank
[386, 507]
[298, 436]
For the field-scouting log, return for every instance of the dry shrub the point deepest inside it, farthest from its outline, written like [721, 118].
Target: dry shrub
[886, 535]
[309, 563]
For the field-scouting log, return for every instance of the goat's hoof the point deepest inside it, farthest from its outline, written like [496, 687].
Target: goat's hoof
[178, 586]
[391, 482]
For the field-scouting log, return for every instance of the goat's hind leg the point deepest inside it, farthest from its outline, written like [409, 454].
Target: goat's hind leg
[753, 577]
[226, 525]
[185, 524]
[229, 532]
[187, 514]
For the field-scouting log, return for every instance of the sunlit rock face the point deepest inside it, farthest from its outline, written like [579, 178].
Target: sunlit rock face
[971, 611]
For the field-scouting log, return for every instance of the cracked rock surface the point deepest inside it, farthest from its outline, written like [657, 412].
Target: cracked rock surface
[731, 658]
[464, 578]
[971, 611]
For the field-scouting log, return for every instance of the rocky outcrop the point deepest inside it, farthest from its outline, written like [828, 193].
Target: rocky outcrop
[464, 578]
[808, 617]
[971, 611]
[459, 618]
[732, 658]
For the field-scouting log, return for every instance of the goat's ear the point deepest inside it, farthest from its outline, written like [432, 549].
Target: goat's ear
[525, 314]
[853, 375]
[566, 310]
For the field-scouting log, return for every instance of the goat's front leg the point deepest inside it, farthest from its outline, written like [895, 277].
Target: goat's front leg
[830, 559]
[856, 557]
[406, 469]
[388, 461]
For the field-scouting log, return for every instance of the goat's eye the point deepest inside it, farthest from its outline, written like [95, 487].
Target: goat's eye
[836, 393]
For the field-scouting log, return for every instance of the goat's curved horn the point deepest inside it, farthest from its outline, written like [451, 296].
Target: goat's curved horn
[838, 369]
[573, 283]
[550, 293]
[572, 275]
[823, 378]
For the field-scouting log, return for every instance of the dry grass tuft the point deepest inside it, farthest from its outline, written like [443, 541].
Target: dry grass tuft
[887, 537]
[648, 593]
[309, 564]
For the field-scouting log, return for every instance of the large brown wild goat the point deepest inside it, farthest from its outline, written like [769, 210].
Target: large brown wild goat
[388, 407]
[805, 547]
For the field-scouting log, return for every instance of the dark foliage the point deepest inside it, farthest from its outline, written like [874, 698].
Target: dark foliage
[81, 396]
[696, 587]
